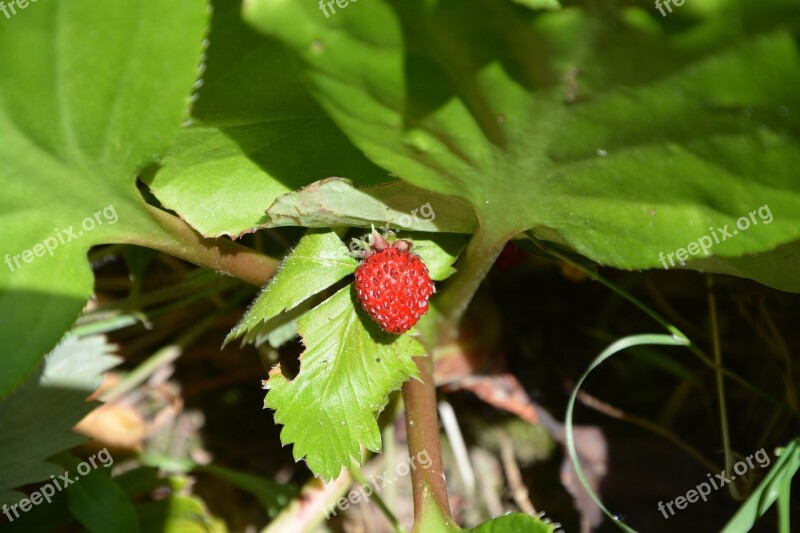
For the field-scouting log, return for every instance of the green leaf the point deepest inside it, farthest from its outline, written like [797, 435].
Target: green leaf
[279, 330]
[259, 135]
[515, 523]
[433, 521]
[97, 502]
[51, 517]
[95, 94]
[539, 4]
[337, 202]
[36, 420]
[607, 129]
[775, 486]
[774, 268]
[347, 371]
[318, 261]
[139, 481]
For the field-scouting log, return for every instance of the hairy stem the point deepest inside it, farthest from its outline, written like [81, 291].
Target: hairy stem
[220, 255]
[422, 427]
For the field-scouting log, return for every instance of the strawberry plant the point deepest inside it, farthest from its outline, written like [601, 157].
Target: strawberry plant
[355, 169]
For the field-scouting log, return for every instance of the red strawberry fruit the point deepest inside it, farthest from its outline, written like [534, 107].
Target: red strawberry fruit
[393, 285]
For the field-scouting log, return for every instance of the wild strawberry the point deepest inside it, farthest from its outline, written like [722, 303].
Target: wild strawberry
[393, 285]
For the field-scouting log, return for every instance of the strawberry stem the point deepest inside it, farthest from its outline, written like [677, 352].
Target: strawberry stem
[422, 427]
[221, 255]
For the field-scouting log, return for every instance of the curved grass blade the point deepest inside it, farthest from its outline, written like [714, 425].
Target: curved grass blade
[614, 348]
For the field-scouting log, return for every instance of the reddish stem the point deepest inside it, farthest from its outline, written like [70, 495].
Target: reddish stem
[422, 427]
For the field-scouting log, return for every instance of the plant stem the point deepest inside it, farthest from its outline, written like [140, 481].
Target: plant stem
[422, 427]
[221, 255]
[481, 253]
[723, 409]
[422, 424]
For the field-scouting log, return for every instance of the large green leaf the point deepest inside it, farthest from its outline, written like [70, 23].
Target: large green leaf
[36, 420]
[90, 93]
[347, 371]
[609, 128]
[258, 135]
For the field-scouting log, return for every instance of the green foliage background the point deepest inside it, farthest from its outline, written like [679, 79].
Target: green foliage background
[603, 127]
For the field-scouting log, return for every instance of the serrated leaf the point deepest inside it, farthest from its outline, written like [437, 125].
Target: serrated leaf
[625, 138]
[279, 330]
[347, 371]
[338, 202]
[318, 261]
[275, 333]
[36, 420]
[515, 523]
[97, 95]
[433, 521]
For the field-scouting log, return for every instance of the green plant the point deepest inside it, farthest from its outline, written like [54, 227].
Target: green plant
[596, 130]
